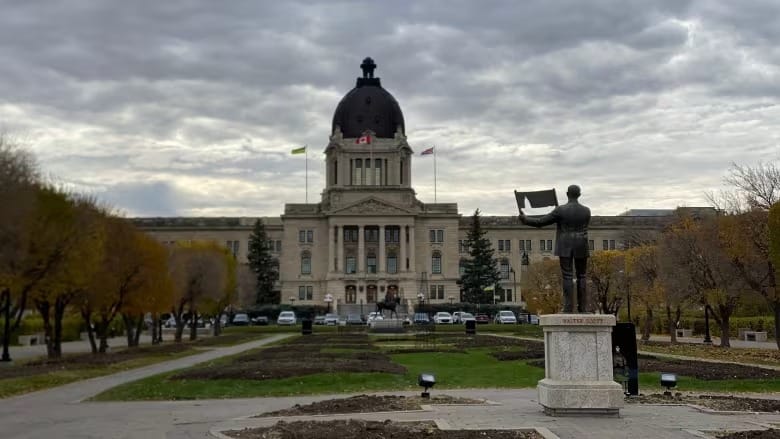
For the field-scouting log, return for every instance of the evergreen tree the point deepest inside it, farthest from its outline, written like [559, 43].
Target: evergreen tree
[262, 265]
[481, 269]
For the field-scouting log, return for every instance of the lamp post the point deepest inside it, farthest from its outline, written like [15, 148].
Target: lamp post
[707, 340]
[328, 299]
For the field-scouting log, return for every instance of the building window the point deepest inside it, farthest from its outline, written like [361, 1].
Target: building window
[350, 267]
[437, 292]
[508, 294]
[371, 264]
[549, 245]
[392, 234]
[527, 245]
[310, 236]
[463, 246]
[605, 245]
[611, 244]
[350, 234]
[436, 235]
[436, 263]
[350, 294]
[305, 292]
[504, 269]
[377, 172]
[301, 235]
[504, 245]
[357, 172]
[306, 263]
[591, 245]
[392, 264]
[233, 247]
[542, 245]
[372, 234]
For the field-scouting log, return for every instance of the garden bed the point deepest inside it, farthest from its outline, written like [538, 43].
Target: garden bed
[752, 434]
[372, 430]
[369, 404]
[714, 402]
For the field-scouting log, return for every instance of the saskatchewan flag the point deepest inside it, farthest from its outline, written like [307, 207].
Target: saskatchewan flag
[301, 150]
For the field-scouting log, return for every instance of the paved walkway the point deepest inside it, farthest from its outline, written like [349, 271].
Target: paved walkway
[735, 343]
[60, 412]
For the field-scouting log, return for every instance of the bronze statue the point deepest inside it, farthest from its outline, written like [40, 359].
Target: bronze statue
[571, 245]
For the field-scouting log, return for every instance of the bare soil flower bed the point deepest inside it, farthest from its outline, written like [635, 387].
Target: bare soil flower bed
[368, 404]
[372, 430]
[89, 361]
[702, 370]
[303, 356]
[714, 402]
[752, 434]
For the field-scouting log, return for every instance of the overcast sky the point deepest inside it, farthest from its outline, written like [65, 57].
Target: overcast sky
[165, 108]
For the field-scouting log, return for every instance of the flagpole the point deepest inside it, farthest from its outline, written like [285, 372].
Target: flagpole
[434, 173]
[306, 152]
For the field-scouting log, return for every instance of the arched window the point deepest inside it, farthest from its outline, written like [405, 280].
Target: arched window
[306, 263]
[504, 268]
[436, 262]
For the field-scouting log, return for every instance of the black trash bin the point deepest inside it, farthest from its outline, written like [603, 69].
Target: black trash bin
[306, 327]
[471, 327]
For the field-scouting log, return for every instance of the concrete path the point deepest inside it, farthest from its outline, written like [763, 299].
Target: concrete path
[735, 343]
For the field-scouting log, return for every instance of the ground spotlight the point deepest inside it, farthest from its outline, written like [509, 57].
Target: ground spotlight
[426, 381]
[668, 380]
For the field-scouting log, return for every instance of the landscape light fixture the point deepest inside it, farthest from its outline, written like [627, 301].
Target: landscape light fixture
[668, 380]
[426, 381]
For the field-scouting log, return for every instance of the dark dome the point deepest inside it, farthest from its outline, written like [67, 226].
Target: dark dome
[368, 106]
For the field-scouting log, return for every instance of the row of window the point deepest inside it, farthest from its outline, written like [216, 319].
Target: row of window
[371, 234]
[350, 264]
[545, 245]
[305, 292]
[364, 174]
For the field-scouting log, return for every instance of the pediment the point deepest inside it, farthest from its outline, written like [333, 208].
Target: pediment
[372, 206]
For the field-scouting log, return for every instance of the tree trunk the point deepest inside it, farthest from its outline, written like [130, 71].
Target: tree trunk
[102, 330]
[218, 325]
[129, 329]
[87, 316]
[672, 327]
[648, 324]
[159, 324]
[724, 331]
[6, 298]
[139, 326]
[59, 312]
[776, 307]
[193, 324]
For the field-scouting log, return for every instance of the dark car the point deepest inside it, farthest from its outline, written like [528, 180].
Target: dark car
[260, 320]
[240, 319]
[319, 320]
[482, 318]
[420, 318]
[354, 319]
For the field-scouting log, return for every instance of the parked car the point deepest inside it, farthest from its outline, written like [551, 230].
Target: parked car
[534, 319]
[287, 318]
[375, 316]
[354, 319]
[506, 317]
[319, 320]
[442, 317]
[241, 319]
[420, 318]
[170, 323]
[260, 320]
[465, 317]
[456, 316]
[482, 319]
[331, 319]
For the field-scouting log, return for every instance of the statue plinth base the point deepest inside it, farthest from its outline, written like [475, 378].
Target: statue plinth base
[578, 377]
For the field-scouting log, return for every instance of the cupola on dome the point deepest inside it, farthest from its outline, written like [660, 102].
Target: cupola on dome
[368, 106]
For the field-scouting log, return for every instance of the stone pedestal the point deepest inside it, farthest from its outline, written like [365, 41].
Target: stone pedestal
[578, 366]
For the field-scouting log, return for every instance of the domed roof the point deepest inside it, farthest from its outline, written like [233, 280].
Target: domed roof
[368, 106]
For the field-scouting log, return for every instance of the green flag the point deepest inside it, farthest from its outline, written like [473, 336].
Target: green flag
[301, 150]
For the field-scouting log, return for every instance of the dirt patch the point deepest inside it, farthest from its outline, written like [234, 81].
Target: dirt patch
[738, 355]
[702, 370]
[89, 361]
[372, 430]
[752, 434]
[369, 404]
[714, 402]
[303, 356]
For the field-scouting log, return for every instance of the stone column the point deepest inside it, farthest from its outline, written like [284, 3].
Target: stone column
[402, 258]
[578, 376]
[412, 251]
[340, 266]
[361, 265]
[381, 249]
[333, 233]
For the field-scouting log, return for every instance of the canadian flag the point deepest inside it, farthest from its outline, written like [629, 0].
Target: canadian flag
[364, 139]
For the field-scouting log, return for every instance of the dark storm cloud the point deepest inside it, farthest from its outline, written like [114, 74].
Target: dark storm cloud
[183, 107]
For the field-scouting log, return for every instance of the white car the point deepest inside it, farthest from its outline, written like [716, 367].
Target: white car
[442, 317]
[506, 317]
[286, 318]
[375, 316]
[465, 317]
